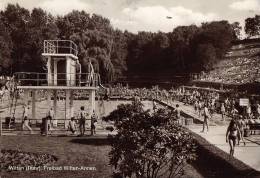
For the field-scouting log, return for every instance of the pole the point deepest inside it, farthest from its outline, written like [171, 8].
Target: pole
[65, 108]
[33, 104]
[0, 126]
[46, 126]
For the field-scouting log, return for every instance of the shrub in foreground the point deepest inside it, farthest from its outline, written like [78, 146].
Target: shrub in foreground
[149, 144]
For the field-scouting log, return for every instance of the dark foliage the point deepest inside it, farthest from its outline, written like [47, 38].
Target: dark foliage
[149, 144]
[114, 53]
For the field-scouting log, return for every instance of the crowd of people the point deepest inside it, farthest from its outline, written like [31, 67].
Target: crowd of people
[239, 70]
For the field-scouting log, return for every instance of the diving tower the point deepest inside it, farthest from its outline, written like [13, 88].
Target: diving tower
[63, 72]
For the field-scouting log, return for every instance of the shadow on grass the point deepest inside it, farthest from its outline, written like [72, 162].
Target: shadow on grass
[92, 141]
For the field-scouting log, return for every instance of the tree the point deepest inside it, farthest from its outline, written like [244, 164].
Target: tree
[97, 46]
[40, 27]
[149, 145]
[237, 28]
[5, 49]
[119, 52]
[16, 20]
[220, 34]
[181, 38]
[139, 52]
[206, 55]
[252, 26]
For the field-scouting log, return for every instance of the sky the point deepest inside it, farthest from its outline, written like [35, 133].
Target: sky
[151, 15]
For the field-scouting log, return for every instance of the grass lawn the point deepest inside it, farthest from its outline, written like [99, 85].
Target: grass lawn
[70, 151]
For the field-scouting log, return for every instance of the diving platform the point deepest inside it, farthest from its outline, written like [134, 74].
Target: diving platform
[63, 73]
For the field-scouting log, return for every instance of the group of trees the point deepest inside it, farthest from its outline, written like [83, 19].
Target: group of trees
[252, 26]
[186, 49]
[113, 52]
[22, 33]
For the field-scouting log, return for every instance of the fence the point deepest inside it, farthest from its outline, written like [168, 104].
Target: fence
[60, 47]
[59, 79]
[54, 126]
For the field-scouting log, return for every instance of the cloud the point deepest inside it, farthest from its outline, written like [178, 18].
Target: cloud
[2, 5]
[246, 5]
[153, 18]
[62, 7]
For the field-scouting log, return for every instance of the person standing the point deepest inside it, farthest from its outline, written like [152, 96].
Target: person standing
[199, 107]
[78, 73]
[206, 118]
[196, 106]
[234, 113]
[90, 75]
[72, 125]
[258, 111]
[50, 117]
[231, 135]
[93, 123]
[227, 105]
[154, 106]
[223, 110]
[241, 126]
[248, 111]
[26, 122]
[178, 114]
[82, 120]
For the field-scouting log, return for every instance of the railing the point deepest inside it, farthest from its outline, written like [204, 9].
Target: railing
[60, 47]
[59, 79]
[43, 126]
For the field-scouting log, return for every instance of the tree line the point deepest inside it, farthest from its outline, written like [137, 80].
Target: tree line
[112, 52]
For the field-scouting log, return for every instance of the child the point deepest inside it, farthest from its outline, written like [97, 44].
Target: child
[72, 125]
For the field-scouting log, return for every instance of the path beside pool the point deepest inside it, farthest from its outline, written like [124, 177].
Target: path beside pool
[249, 154]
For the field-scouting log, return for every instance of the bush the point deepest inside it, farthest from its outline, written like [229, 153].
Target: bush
[23, 159]
[149, 144]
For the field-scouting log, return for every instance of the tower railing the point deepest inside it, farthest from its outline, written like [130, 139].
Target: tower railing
[60, 47]
[59, 79]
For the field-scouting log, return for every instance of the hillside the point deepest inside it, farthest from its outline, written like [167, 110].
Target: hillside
[241, 65]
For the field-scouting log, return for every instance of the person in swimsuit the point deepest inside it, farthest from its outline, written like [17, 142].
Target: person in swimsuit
[242, 126]
[231, 135]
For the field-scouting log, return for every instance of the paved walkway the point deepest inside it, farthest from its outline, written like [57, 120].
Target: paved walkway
[188, 109]
[249, 154]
